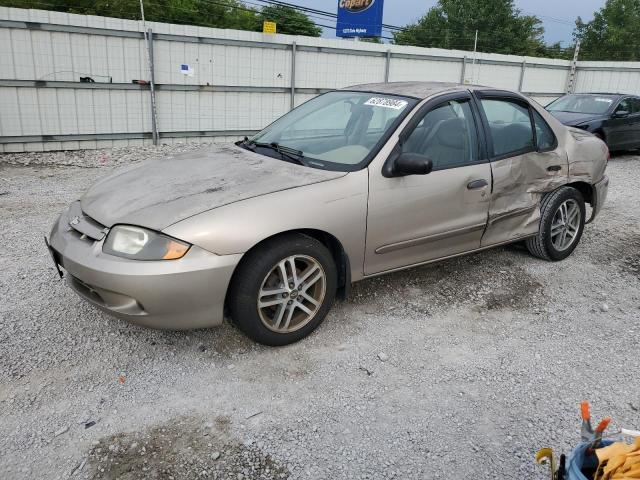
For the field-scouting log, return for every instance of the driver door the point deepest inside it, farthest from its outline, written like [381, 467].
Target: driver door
[418, 218]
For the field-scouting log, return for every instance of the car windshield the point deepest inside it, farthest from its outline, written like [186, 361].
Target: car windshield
[592, 104]
[335, 131]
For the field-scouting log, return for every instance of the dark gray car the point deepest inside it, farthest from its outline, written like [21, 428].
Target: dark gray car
[615, 118]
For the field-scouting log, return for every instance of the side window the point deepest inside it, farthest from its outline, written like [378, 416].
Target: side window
[510, 126]
[635, 105]
[447, 135]
[544, 135]
[624, 106]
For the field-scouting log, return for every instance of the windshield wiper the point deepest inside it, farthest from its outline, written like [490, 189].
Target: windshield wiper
[287, 153]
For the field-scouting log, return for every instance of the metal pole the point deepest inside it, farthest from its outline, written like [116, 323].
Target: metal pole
[475, 49]
[387, 66]
[293, 76]
[464, 70]
[148, 40]
[522, 70]
[152, 84]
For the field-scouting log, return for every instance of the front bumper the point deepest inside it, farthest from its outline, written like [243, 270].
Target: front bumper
[600, 188]
[170, 294]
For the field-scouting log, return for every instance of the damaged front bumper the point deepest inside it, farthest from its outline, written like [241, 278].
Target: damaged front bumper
[169, 294]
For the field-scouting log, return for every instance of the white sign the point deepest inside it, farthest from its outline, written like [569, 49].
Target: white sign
[386, 103]
[186, 70]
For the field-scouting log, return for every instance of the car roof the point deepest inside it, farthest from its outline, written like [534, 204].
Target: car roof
[601, 94]
[413, 89]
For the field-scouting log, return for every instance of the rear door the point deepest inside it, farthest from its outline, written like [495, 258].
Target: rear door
[617, 129]
[634, 123]
[526, 162]
[417, 218]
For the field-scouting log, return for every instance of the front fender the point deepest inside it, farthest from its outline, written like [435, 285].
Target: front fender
[338, 207]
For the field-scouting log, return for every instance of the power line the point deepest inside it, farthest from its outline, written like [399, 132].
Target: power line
[319, 12]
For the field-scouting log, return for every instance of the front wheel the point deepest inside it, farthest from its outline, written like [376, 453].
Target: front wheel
[283, 289]
[562, 218]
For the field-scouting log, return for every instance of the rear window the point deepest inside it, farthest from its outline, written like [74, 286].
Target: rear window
[544, 135]
[510, 126]
[590, 104]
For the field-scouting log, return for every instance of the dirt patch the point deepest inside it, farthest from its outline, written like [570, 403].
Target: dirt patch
[491, 281]
[516, 290]
[184, 448]
[632, 264]
[631, 258]
[622, 251]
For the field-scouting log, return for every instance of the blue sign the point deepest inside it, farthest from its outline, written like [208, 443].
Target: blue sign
[359, 18]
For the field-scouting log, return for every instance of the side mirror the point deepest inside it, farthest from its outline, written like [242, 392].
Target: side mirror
[412, 164]
[620, 114]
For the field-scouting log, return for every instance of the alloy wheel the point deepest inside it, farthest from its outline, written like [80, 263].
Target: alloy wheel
[292, 293]
[565, 225]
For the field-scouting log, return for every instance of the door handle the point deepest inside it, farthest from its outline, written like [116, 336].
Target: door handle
[554, 168]
[476, 184]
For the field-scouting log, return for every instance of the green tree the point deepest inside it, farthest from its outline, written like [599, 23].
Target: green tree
[613, 34]
[501, 28]
[556, 50]
[289, 21]
[207, 13]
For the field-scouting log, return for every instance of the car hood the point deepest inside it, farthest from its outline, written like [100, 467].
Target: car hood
[159, 193]
[572, 119]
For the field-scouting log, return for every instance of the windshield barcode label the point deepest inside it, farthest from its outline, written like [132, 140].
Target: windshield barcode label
[386, 103]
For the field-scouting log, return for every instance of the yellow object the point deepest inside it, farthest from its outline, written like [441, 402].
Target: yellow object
[546, 456]
[619, 461]
[268, 27]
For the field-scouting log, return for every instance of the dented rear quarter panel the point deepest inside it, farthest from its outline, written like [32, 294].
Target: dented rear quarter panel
[520, 182]
[587, 156]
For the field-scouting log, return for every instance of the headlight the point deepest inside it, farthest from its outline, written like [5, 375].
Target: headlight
[142, 244]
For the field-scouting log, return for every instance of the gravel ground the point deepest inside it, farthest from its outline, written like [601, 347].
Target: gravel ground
[457, 370]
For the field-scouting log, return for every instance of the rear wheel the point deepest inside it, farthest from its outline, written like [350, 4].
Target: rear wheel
[283, 289]
[561, 224]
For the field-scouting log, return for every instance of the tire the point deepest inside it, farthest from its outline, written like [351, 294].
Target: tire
[282, 318]
[550, 247]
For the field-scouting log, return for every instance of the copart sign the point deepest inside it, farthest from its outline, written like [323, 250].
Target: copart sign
[359, 18]
[356, 5]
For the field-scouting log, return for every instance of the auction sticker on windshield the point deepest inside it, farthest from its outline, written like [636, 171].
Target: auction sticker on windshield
[386, 103]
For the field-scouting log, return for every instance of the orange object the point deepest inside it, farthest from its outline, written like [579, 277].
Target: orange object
[175, 250]
[602, 426]
[122, 379]
[584, 410]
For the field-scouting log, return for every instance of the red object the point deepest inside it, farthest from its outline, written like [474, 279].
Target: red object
[584, 410]
[602, 426]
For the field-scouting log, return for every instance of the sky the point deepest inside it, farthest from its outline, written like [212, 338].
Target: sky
[558, 16]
